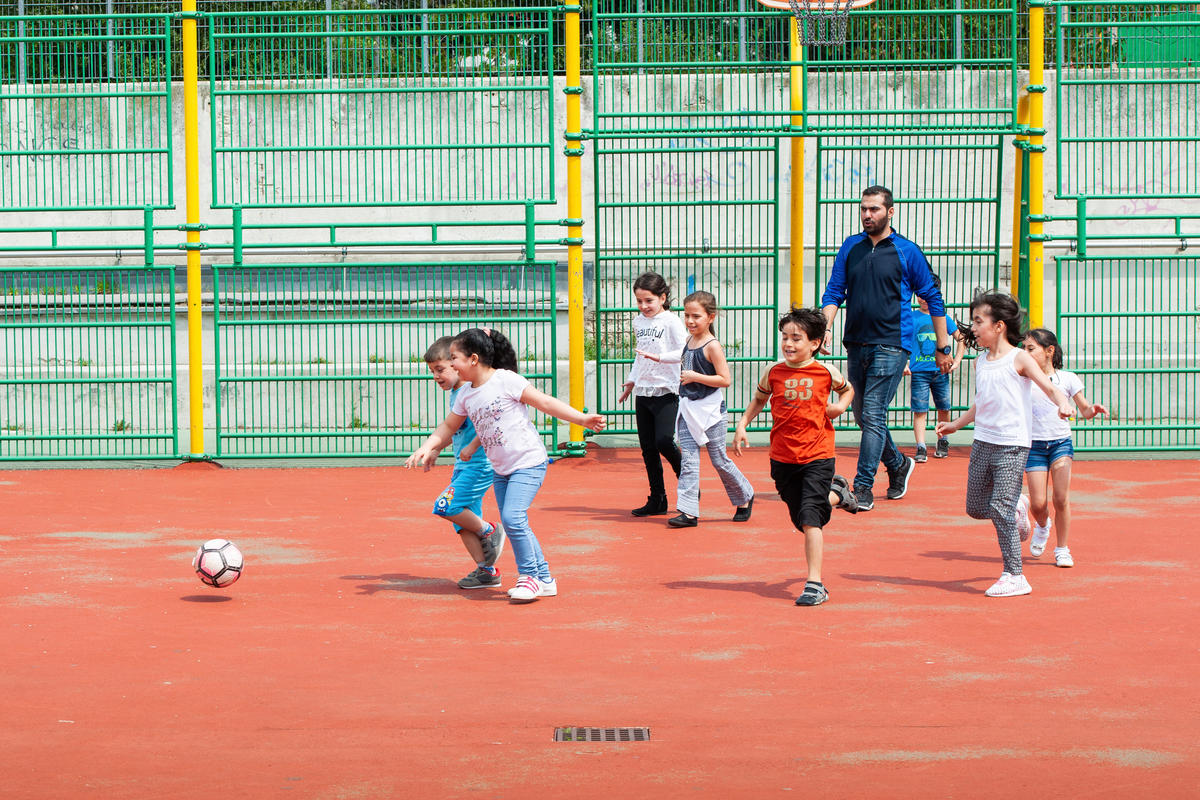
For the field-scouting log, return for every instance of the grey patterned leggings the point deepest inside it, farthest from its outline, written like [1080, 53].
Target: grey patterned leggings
[993, 488]
[736, 486]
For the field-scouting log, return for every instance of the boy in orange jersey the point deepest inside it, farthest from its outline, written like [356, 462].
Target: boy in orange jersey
[802, 458]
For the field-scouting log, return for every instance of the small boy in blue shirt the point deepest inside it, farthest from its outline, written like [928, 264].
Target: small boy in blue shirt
[927, 379]
[462, 501]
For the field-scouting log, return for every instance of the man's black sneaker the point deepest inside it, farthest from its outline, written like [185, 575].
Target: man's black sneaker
[898, 480]
[866, 500]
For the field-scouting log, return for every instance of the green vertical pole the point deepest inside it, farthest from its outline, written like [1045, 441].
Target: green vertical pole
[1081, 226]
[1022, 286]
[148, 234]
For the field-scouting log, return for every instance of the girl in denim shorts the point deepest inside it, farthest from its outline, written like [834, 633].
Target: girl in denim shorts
[1048, 469]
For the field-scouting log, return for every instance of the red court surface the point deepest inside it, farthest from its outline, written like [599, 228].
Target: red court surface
[346, 664]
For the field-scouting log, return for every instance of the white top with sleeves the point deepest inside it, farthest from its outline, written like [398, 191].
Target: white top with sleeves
[664, 336]
[1048, 426]
[1003, 400]
[501, 422]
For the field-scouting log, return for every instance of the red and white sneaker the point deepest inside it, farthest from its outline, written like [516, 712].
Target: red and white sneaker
[529, 588]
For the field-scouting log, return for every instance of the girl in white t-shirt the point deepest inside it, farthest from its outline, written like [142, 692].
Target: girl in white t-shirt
[654, 382]
[496, 399]
[1001, 411]
[1052, 453]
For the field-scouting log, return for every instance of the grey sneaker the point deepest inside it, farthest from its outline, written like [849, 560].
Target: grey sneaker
[493, 545]
[922, 455]
[866, 500]
[943, 448]
[814, 594]
[846, 498]
[481, 578]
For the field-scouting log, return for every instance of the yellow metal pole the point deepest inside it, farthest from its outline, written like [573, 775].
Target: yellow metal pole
[191, 138]
[1018, 182]
[574, 153]
[796, 259]
[1037, 90]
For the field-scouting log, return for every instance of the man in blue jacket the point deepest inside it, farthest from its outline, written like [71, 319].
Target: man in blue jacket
[875, 274]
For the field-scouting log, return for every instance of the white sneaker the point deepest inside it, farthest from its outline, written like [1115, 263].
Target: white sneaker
[1009, 585]
[1023, 517]
[1062, 558]
[529, 588]
[1037, 545]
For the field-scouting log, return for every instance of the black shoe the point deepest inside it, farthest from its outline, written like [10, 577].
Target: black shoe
[922, 455]
[943, 448]
[866, 500]
[814, 594]
[683, 521]
[898, 480]
[655, 504]
[743, 512]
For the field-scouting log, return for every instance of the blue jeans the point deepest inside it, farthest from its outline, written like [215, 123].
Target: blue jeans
[874, 371]
[514, 495]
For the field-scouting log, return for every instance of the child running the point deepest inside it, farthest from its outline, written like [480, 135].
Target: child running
[654, 382]
[1003, 417]
[702, 416]
[926, 378]
[496, 399]
[1052, 452]
[802, 456]
[462, 501]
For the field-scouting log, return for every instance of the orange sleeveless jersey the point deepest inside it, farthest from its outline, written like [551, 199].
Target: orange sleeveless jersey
[800, 432]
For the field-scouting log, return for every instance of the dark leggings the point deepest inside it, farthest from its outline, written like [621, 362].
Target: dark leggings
[656, 434]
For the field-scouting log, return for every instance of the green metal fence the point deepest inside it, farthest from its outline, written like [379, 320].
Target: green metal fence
[682, 186]
[1128, 327]
[315, 358]
[947, 191]
[88, 363]
[85, 112]
[1128, 148]
[381, 108]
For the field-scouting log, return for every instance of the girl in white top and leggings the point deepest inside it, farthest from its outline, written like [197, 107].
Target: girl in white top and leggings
[1003, 417]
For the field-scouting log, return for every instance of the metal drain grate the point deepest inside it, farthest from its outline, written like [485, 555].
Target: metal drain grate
[601, 734]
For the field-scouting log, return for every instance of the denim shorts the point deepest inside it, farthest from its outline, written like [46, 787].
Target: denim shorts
[924, 383]
[468, 484]
[1045, 452]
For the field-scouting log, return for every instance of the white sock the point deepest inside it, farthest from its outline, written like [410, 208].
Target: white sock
[1058, 550]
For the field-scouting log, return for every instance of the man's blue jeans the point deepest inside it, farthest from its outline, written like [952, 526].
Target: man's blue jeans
[874, 370]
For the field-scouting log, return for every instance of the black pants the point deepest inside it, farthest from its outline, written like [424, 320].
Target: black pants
[656, 434]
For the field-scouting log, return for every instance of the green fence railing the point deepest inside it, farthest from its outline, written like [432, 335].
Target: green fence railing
[323, 358]
[88, 363]
[414, 107]
[85, 112]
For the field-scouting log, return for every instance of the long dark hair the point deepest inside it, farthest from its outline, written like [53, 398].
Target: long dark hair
[1046, 339]
[1004, 308]
[708, 302]
[492, 347]
[656, 285]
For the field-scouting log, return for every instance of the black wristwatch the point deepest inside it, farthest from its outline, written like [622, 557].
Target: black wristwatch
[944, 350]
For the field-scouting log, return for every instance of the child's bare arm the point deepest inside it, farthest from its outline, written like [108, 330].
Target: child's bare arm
[468, 451]
[1026, 366]
[963, 420]
[844, 391]
[1088, 409]
[557, 408]
[426, 455]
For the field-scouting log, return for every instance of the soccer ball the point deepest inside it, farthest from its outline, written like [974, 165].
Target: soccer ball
[218, 563]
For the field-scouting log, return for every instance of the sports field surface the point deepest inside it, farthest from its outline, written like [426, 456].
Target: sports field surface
[346, 663]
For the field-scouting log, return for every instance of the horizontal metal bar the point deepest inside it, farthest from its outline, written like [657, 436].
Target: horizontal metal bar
[78, 381]
[398, 90]
[349, 321]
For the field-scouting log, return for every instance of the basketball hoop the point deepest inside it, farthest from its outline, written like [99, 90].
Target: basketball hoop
[819, 21]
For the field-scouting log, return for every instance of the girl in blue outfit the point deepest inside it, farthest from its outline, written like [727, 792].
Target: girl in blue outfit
[496, 400]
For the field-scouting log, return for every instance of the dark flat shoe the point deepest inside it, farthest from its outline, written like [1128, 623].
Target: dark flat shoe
[743, 512]
[683, 521]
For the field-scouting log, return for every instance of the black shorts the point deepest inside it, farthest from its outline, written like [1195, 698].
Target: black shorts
[805, 490]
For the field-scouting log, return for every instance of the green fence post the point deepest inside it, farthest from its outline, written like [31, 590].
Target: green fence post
[148, 228]
[1081, 226]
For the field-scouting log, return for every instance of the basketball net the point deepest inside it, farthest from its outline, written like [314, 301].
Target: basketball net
[821, 21]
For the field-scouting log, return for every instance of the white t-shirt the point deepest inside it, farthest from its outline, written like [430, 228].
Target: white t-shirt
[664, 336]
[1003, 398]
[501, 422]
[1048, 426]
